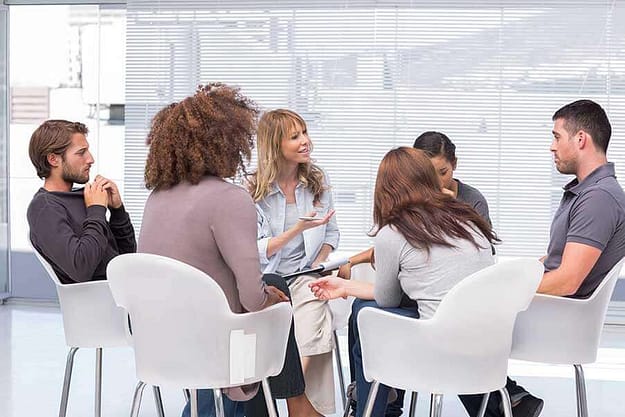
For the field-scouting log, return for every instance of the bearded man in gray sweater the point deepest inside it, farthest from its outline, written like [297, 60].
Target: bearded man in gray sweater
[68, 226]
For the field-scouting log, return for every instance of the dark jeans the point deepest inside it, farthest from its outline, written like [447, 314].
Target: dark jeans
[380, 407]
[288, 383]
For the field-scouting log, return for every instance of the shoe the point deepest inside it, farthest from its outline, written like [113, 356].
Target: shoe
[352, 396]
[528, 406]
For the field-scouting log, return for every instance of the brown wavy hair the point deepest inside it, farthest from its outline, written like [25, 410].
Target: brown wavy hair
[208, 133]
[408, 197]
[273, 127]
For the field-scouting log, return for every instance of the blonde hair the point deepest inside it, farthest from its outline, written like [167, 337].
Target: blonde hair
[273, 127]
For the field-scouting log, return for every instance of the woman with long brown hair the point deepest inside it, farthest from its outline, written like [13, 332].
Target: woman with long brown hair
[426, 241]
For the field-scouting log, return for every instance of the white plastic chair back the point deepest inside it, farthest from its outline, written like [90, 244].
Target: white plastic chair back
[563, 330]
[91, 319]
[464, 347]
[182, 326]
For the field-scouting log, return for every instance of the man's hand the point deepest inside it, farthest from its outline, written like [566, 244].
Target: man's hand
[95, 194]
[115, 199]
[274, 296]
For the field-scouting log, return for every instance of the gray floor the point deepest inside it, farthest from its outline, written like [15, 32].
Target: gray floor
[32, 359]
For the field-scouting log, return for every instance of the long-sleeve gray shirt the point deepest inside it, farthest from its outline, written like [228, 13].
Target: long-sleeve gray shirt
[211, 226]
[76, 240]
[426, 278]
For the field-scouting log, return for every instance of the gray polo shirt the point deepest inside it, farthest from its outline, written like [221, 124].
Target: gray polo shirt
[592, 213]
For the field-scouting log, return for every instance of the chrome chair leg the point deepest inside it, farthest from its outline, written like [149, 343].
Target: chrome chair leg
[69, 366]
[194, 411]
[339, 365]
[271, 407]
[580, 388]
[98, 382]
[413, 404]
[436, 405]
[219, 403]
[505, 400]
[158, 401]
[373, 392]
[483, 405]
[136, 399]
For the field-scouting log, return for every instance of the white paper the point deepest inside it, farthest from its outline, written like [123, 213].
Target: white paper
[242, 356]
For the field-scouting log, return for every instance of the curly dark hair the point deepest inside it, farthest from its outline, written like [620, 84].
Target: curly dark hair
[208, 133]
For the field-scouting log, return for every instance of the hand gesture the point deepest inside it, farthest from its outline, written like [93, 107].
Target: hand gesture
[309, 224]
[95, 194]
[274, 296]
[115, 199]
[328, 288]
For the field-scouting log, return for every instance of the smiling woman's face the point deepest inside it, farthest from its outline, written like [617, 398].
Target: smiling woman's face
[296, 146]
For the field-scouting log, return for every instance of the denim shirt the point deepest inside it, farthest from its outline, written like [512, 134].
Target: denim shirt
[271, 212]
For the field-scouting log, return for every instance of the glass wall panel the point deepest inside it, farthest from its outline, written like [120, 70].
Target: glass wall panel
[71, 67]
[4, 152]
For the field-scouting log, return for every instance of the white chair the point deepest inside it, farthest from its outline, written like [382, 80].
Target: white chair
[462, 349]
[561, 330]
[185, 334]
[91, 319]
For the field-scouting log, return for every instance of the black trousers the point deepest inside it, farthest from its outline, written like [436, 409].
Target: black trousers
[290, 381]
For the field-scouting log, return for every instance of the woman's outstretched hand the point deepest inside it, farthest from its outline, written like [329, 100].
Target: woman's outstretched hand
[329, 288]
[309, 224]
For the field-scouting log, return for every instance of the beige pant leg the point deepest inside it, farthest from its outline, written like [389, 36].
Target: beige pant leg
[313, 332]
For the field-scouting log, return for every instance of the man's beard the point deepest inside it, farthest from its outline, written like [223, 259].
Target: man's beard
[77, 177]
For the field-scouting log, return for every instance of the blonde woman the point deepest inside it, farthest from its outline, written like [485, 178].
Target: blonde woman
[297, 230]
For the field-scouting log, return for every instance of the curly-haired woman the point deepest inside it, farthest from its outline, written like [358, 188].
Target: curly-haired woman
[197, 217]
[296, 231]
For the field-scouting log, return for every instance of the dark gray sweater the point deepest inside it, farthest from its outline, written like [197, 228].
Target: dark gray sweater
[77, 241]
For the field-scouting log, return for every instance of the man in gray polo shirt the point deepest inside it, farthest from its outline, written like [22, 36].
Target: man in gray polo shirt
[588, 231]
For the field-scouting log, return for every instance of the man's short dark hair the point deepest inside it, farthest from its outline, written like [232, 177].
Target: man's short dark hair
[53, 136]
[588, 116]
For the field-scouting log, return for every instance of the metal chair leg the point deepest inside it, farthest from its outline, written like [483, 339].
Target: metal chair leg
[505, 400]
[98, 382]
[194, 411]
[271, 407]
[69, 366]
[436, 405]
[373, 392]
[482, 410]
[413, 404]
[158, 401]
[339, 365]
[136, 399]
[580, 388]
[219, 403]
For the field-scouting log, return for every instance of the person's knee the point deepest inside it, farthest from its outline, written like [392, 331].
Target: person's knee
[277, 281]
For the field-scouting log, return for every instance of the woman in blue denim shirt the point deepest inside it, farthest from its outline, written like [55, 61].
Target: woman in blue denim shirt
[297, 230]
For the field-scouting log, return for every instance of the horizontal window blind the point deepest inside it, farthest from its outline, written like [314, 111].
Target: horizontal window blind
[371, 75]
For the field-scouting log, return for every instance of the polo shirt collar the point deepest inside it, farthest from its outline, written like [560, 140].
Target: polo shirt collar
[576, 187]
